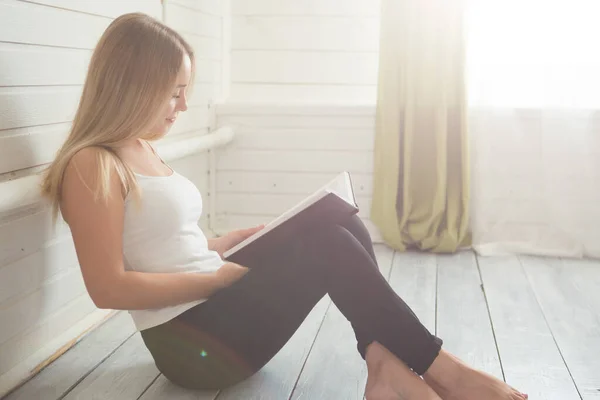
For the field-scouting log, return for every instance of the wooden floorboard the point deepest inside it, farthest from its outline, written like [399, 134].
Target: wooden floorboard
[414, 279]
[568, 292]
[162, 388]
[278, 378]
[334, 368]
[65, 372]
[126, 374]
[530, 357]
[544, 312]
[463, 321]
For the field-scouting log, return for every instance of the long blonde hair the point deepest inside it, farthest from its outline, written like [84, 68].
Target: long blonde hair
[132, 70]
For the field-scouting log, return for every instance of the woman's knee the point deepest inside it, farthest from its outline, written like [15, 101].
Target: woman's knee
[358, 229]
[326, 232]
[356, 226]
[336, 251]
[333, 238]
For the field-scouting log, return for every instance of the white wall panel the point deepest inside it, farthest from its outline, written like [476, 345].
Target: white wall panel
[285, 183]
[304, 52]
[16, 316]
[29, 106]
[206, 48]
[20, 237]
[270, 93]
[306, 7]
[106, 8]
[34, 24]
[193, 22]
[353, 34]
[283, 153]
[307, 67]
[25, 274]
[295, 161]
[20, 65]
[279, 121]
[303, 139]
[31, 146]
[212, 7]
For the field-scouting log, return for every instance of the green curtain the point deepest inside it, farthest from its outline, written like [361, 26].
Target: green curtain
[421, 168]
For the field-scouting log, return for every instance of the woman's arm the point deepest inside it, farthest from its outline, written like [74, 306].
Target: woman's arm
[213, 243]
[97, 229]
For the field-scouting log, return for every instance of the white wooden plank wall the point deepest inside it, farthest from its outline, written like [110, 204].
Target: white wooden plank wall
[308, 51]
[281, 154]
[45, 46]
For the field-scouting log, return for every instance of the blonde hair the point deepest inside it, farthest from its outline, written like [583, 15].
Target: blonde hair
[132, 70]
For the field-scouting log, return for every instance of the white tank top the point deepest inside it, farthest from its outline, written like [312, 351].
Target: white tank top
[162, 235]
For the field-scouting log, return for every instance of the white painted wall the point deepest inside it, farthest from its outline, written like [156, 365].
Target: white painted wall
[282, 153]
[304, 51]
[45, 46]
[303, 91]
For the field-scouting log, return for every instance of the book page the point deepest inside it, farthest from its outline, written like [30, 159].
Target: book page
[342, 186]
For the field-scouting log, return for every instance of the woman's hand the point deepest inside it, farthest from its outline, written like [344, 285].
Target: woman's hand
[229, 273]
[224, 243]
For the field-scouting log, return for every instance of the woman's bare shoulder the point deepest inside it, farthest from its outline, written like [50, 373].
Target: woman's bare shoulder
[82, 182]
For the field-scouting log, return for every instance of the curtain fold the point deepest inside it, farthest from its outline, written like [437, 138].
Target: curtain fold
[421, 168]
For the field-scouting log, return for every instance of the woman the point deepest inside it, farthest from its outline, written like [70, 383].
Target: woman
[209, 323]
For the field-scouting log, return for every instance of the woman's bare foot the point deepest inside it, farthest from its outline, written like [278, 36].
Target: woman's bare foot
[390, 379]
[454, 380]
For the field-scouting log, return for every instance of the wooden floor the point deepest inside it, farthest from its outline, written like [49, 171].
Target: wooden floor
[532, 321]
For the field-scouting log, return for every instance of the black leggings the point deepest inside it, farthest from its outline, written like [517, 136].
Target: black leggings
[234, 333]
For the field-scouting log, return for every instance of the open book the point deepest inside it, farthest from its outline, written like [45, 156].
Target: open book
[328, 205]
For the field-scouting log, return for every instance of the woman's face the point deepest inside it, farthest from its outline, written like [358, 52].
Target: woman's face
[178, 100]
